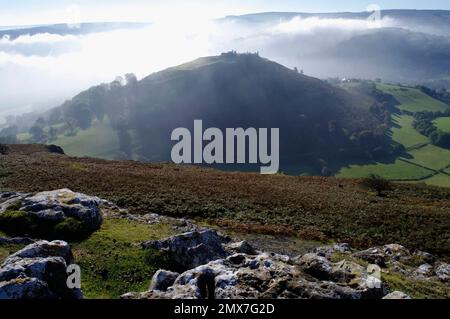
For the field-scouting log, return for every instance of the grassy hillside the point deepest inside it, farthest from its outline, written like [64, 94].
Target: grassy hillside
[431, 156]
[443, 123]
[311, 208]
[100, 140]
[399, 170]
[317, 121]
[404, 133]
[412, 100]
[421, 161]
[439, 180]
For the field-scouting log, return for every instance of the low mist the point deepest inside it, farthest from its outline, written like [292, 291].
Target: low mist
[41, 71]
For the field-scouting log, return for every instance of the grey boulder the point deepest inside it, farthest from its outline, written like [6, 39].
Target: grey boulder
[38, 271]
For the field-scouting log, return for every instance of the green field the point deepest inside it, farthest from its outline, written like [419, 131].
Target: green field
[399, 170]
[24, 137]
[421, 161]
[405, 134]
[443, 123]
[105, 146]
[413, 100]
[431, 156]
[439, 180]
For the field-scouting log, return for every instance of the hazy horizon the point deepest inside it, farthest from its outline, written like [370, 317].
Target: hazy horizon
[30, 12]
[41, 71]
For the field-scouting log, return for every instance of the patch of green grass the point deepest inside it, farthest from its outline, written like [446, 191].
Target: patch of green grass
[399, 170]
[6, 250]
[24, 137]
[406, 134]
[431, 156]
[439, 180]
[443, 124]
[417, 289]
[412, 99]
[100, 141]
[112, 263]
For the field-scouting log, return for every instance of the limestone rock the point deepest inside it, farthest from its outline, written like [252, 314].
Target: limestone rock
[39, 271]
[192, 249]
[241, 247]
[396, 252]
[59, 204]
[265, 276]
[397, 295]
[315, 265]
[425, 270]
[43, 249]
[329, 251]
[25, 288]
[348, 272]
[373, 255]
[163, 279]
[442, 272]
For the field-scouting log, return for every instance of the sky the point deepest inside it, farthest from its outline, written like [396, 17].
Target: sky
[30, 12]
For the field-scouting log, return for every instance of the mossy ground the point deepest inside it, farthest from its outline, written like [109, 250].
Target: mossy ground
[111, 261]
[417, 289]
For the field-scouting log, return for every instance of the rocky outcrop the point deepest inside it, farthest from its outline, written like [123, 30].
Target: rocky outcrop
[397, 257]
[442, 272]
[330, 251]
[315, 265]
[388, 254]
[264, 276]
[38, 271]
[63, 203]
[163, 279]
[48, 209]
[397, 295]
[425, 270]
[217, 267]
[192, 249]
[241, 247]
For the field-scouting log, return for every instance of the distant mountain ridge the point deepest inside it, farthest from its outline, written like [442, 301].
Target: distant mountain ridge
[437, 20]
[66, 29]
[408, 46]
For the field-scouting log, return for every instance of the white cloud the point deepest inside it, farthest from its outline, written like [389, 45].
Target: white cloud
[298, 25]
[45, 69]
[65, 65]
